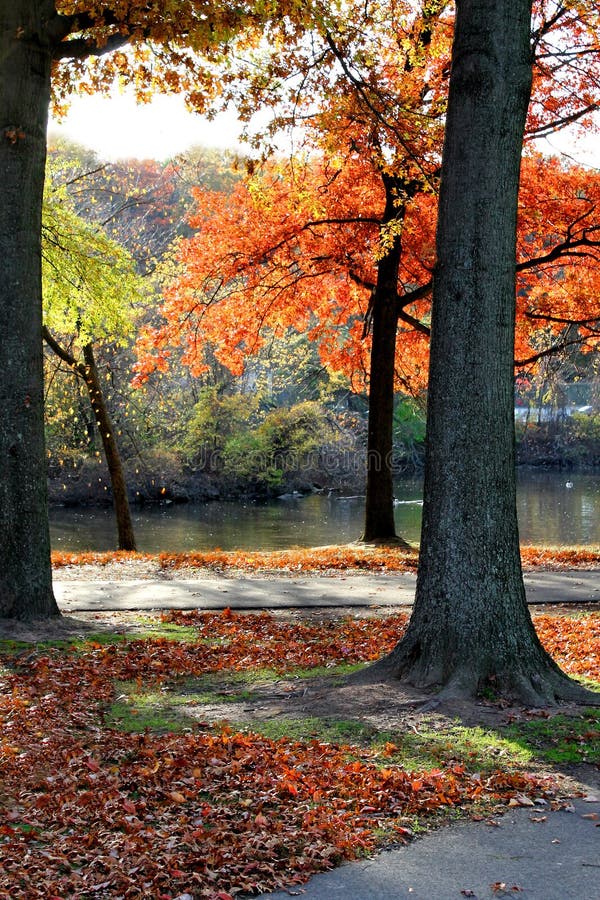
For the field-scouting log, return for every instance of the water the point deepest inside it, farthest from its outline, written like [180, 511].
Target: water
[549, 513]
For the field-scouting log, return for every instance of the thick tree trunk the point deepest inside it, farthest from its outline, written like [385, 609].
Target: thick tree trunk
[471, 626]
[126, 536]
[25, 572]
[379, 505]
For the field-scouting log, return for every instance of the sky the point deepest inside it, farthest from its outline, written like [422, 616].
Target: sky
[117, 128]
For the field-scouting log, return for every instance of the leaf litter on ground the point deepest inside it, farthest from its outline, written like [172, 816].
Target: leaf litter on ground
[87, 810]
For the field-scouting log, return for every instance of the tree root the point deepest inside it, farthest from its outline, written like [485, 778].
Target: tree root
[541, 685]
[394, 542]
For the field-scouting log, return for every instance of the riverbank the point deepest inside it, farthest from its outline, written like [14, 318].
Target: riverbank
[158, 477]
[353, 557]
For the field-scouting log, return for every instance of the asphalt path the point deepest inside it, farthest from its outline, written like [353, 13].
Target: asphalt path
[532, 853]
[289, 592]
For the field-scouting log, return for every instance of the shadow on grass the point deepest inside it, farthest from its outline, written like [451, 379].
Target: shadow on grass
[258, 702]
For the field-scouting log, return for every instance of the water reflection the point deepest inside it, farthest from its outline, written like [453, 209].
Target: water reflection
[549, 513]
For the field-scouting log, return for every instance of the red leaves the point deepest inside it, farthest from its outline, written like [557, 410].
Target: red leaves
[573, 642]
[90, 810]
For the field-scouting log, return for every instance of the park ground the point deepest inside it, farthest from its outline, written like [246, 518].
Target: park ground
[175, 754]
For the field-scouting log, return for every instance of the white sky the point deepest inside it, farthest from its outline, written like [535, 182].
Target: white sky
[118, 128]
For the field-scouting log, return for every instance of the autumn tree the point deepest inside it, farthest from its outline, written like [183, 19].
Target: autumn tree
[356, 218]
[295, 247]
[470, 625]
[45, 45]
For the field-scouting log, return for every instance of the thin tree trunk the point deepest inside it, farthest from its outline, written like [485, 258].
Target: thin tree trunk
[379, 504]
[88, 371]
[470, 625]
[25, 573]
[125, 531]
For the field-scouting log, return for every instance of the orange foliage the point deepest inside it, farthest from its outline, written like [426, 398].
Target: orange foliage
[298, 244]
[298, 248]
[316, 559]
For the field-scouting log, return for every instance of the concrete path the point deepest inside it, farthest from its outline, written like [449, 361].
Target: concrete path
[281, 592]
[535, 853]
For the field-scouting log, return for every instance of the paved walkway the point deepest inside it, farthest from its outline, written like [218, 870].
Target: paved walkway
[535, 853]
[281, 592]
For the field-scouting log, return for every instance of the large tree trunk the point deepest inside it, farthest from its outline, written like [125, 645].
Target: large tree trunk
[25, 572]
[126, 536]
[379, 504]
[471, 626]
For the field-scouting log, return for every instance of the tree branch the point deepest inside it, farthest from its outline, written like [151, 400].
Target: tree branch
[81, 48]
[577, 322]
[550, 351]
[63, 353]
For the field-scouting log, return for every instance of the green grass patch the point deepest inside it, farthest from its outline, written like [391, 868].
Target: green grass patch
[153, 628]
[154, 710]
[434, 745]
[82, 643]
[560, 739]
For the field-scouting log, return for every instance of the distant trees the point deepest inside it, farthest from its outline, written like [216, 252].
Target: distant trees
[339, 242]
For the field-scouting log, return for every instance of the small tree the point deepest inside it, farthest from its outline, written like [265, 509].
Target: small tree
[90, 289]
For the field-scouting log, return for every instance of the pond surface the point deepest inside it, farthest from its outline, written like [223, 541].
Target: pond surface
[549, 513]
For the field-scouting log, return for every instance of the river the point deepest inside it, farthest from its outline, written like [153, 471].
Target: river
[551, 512]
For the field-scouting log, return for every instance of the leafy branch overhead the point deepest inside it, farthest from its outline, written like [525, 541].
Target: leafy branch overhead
[91, 288]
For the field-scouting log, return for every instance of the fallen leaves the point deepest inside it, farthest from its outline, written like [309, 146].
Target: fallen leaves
[573, 642]
[319, 559]
[87, 810]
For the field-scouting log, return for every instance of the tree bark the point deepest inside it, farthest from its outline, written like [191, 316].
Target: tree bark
[470, 625]
[379, 505]
[25, 573]
[126, 536]
[88, 372]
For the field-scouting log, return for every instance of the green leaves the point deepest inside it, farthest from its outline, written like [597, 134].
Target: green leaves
[90, 286]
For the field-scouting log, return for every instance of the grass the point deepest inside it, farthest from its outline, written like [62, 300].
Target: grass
[163, 710]
[561, 739]
[100, 639]
[145, 628]
[177, 707]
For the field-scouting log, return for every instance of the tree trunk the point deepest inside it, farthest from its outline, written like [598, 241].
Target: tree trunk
[126, 536]
[470, 625]
[379, 505]
[25, 573]
[88, 371]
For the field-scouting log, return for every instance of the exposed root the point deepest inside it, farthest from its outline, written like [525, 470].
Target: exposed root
[546, 686]
[393, 541]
